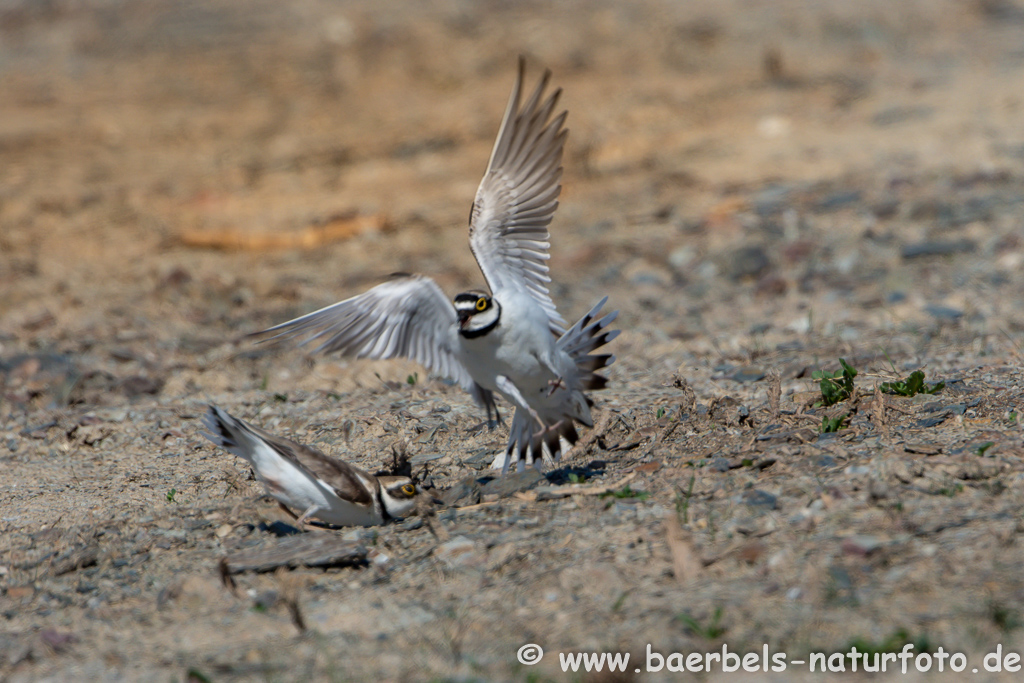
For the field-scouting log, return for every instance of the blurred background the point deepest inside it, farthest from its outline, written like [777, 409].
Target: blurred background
[172, 173]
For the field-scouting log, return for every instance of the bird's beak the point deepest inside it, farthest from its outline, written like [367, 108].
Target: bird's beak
[464, 317]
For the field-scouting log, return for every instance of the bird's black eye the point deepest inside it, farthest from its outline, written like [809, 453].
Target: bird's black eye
[481, 304]
[409, 490]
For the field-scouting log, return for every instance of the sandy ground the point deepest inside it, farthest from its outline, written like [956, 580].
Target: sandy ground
[760, 188]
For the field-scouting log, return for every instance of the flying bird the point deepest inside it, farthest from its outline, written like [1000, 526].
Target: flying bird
[511, 340]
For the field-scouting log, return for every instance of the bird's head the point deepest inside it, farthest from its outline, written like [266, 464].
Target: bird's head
[478, 313]
[398, 495]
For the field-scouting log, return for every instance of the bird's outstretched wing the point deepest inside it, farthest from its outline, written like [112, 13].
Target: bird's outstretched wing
[508, 226]
[406, 317]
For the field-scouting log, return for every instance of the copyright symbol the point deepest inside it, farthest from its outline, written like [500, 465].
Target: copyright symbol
[530, 654]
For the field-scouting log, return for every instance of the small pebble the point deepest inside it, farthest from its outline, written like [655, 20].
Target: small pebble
[761, 499]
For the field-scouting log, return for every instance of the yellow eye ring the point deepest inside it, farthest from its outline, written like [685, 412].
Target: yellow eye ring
[409, 490]
[481, 304]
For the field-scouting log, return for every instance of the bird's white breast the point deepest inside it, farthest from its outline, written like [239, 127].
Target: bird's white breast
[516, 348]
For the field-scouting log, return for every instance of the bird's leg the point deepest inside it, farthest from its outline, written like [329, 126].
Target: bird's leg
[511, 391]
[301, 519]
[546, 429]
[492, 422]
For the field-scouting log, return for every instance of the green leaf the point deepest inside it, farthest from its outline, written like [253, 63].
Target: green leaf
[837, 385]
[848, 370]
[833, 424]
[912, 385]
[197, 676]
[711, 631]
[626, 492]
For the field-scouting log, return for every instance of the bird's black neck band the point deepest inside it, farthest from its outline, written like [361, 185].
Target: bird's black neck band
[474, 334]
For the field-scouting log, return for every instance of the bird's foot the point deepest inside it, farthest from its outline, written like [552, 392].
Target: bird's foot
[556, 384]
[300, 520]
[547, 429]
[536, 417]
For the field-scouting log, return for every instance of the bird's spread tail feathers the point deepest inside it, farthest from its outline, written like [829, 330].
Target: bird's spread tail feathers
[527, 445]
[228, 432]
[586, 336]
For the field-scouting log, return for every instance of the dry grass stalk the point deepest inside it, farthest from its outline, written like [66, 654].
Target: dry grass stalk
[774, 394]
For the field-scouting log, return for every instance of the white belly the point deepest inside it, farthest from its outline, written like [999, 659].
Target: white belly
[296, 490]
[522, 349]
